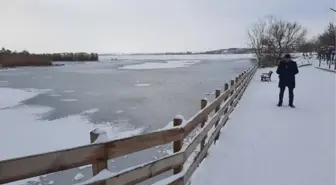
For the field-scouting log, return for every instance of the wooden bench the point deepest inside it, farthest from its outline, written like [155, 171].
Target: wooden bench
[266, 76]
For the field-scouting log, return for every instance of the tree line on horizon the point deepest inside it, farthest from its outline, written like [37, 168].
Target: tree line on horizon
[80, 56]
[270, 38]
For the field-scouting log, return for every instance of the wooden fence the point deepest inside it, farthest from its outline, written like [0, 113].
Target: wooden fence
[210, 119]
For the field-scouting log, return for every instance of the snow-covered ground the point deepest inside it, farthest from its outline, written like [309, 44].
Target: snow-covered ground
[265, 144]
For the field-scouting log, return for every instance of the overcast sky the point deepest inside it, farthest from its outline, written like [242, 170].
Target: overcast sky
[146, 25]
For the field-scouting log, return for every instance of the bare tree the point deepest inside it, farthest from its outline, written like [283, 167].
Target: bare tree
[310, 45]
[256, 36]
[271, 38]
[328, 37]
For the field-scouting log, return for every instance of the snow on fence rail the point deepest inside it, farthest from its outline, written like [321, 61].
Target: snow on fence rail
[302, 65]
[99, 152]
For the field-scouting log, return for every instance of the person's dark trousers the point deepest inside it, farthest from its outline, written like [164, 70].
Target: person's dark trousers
[291, 95]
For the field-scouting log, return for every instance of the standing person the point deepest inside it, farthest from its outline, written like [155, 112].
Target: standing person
[287, 69]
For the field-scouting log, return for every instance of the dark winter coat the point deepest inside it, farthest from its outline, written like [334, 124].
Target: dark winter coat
[287, 72]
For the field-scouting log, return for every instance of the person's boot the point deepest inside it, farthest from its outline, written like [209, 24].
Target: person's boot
[282, 90]
[291, 98]
[279, 104]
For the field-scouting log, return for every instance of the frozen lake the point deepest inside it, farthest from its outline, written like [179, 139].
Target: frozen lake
[52, 108]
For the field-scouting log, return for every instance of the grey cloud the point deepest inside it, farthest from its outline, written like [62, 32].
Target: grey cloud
[146, 25]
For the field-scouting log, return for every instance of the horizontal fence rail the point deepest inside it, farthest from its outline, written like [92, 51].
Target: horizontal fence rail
[212, 116]
[326, 69]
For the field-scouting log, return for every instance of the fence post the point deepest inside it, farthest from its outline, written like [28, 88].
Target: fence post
[218, 93]
[244, 73]
[232, 91]
[243, 82]
[226, 88]
[236, 82]
[177, 145]
[204, 103]
[102, 163]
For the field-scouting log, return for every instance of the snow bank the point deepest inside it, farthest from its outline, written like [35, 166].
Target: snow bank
[11, 97]
[163, 65]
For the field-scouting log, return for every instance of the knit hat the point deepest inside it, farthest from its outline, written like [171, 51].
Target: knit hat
[287, 56]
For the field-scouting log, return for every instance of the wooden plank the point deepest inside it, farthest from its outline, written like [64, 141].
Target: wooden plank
[232, 83]
[239, 92]
[204, 103]
[217, 94]
[99, 164]
[192, 146]
[197, 139]
[31, 166]
[146, 171]
[188, 150]
[125, 146]
[201, 155]
[41, 164]
[244, 86]
[177, 145]
[194, 121]
[226, 87]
